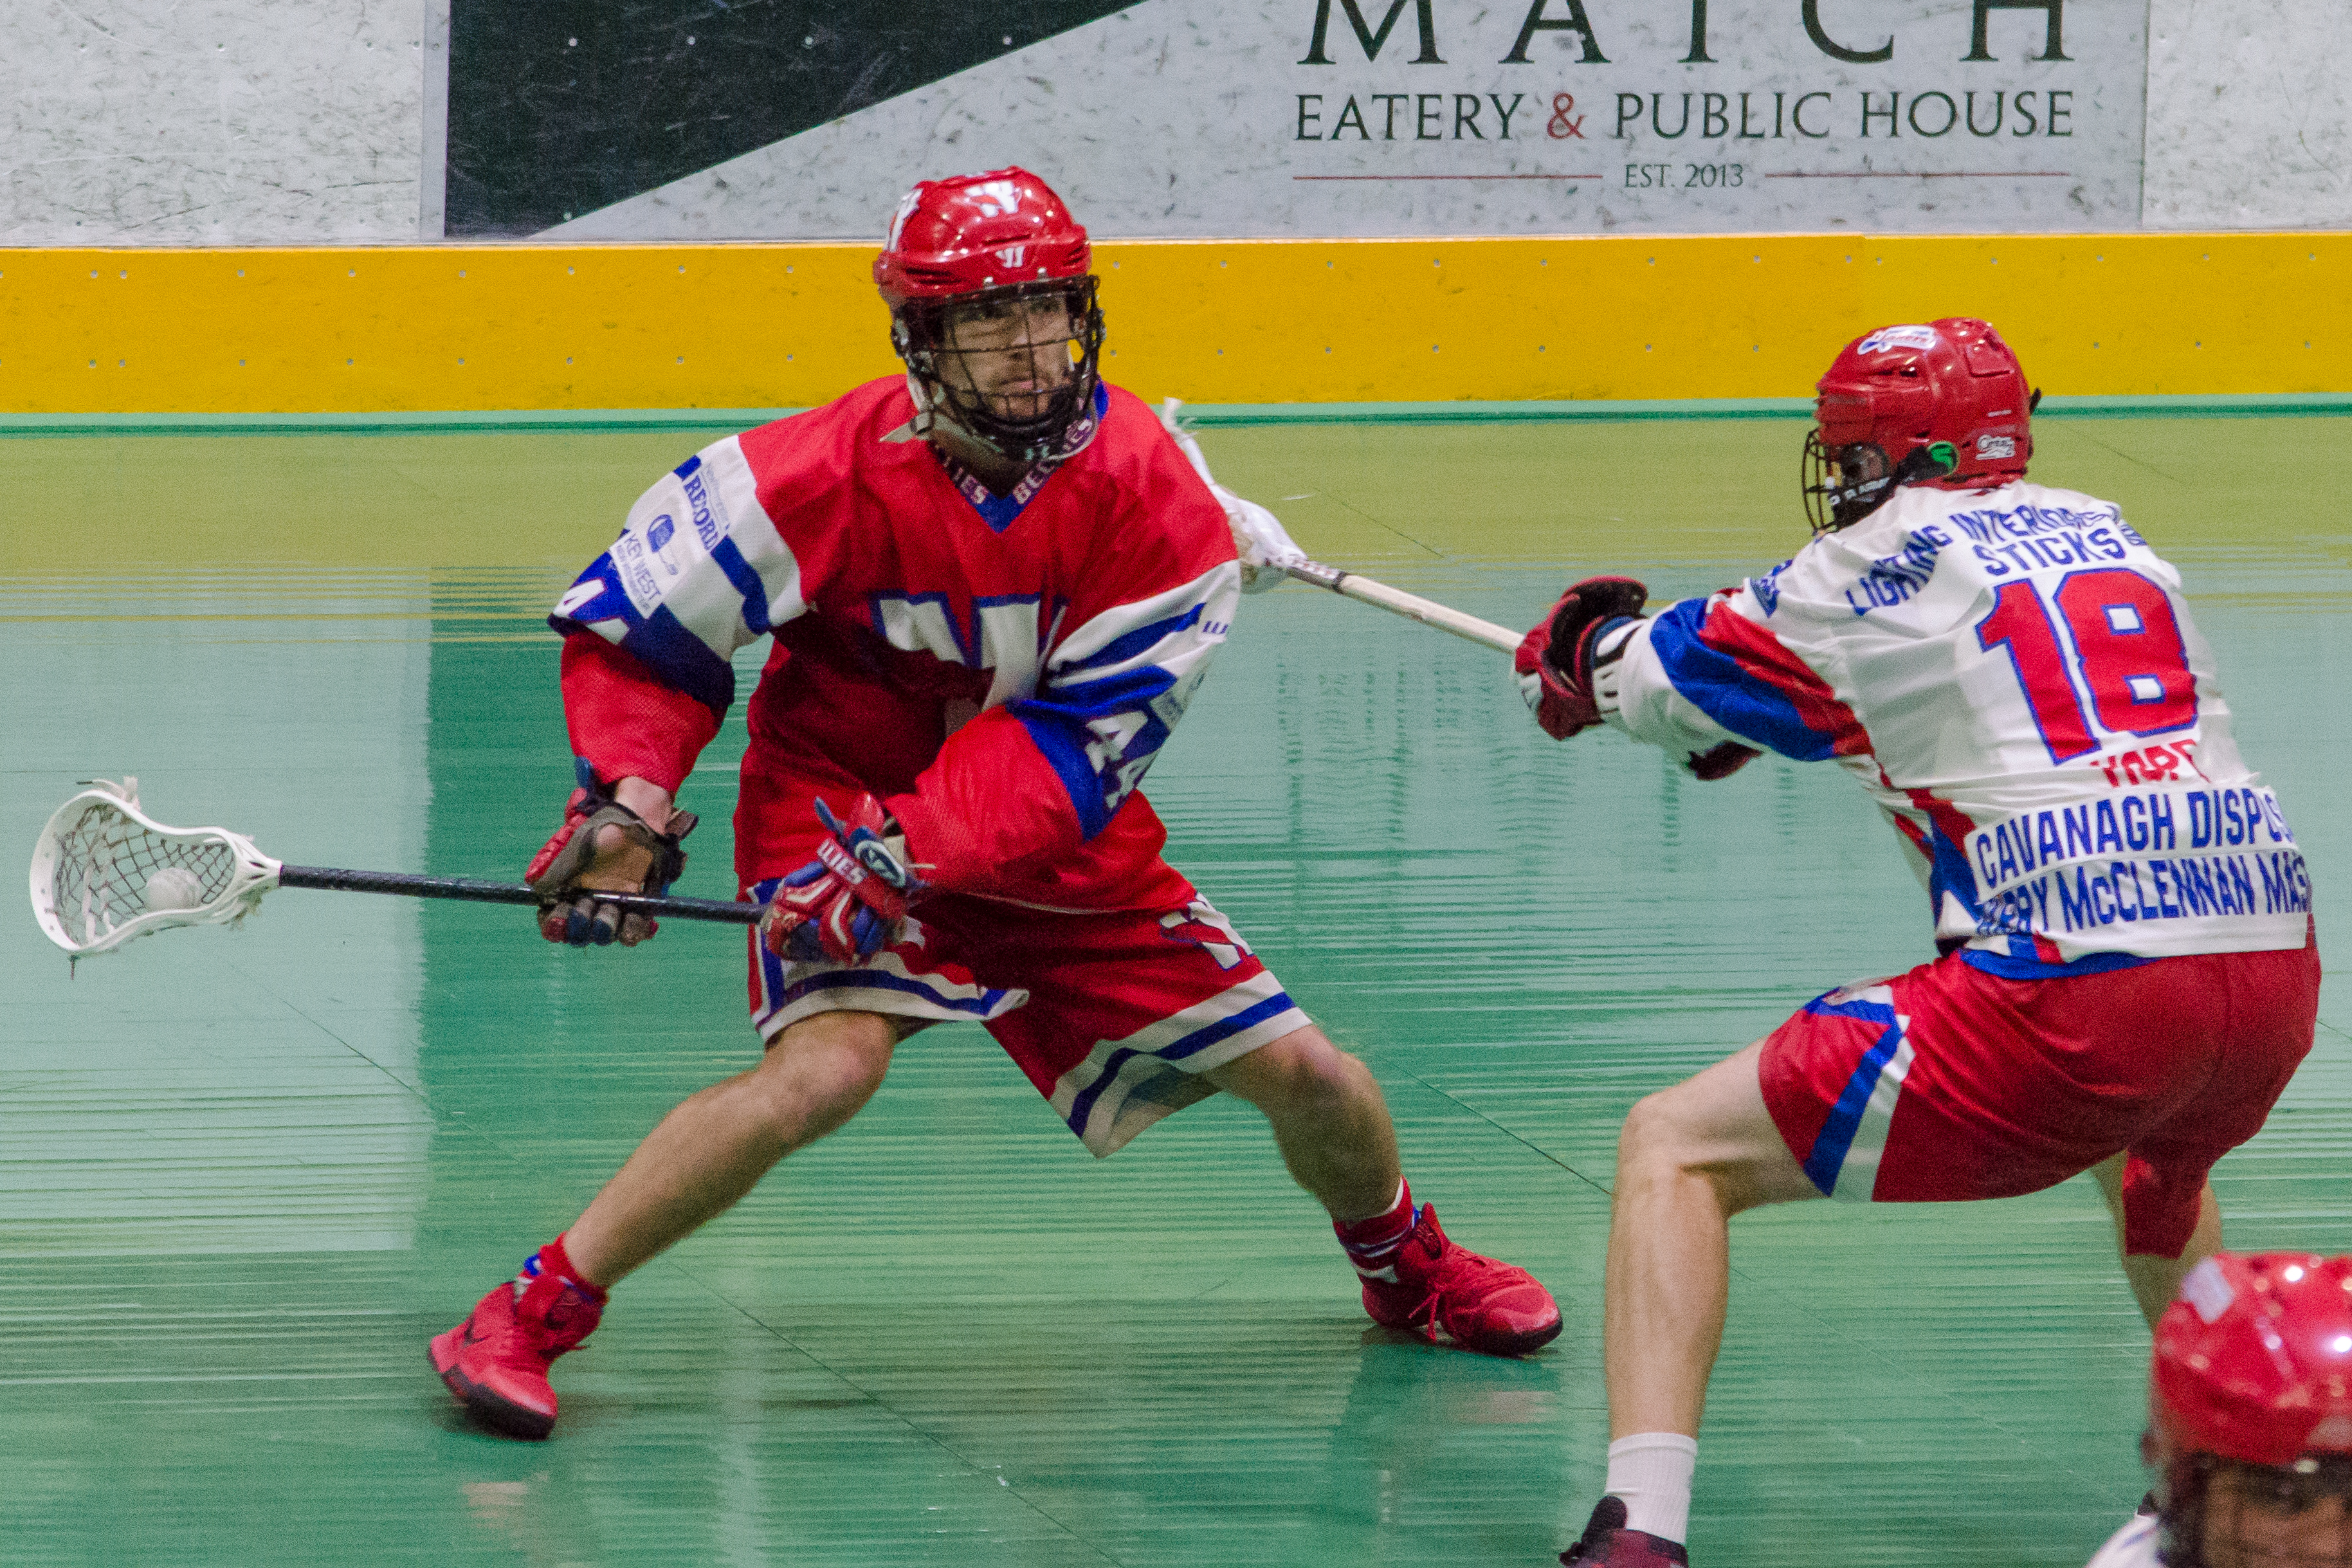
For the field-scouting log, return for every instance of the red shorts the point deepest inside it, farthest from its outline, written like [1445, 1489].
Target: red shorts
[1113, 1015]
[1949, 1083]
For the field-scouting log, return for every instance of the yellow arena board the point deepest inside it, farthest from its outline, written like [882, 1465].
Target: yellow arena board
[419, 329]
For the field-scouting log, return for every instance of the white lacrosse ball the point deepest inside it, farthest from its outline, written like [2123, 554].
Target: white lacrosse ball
[174, 888]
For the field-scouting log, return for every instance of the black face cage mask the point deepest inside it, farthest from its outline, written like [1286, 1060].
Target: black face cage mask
[2190, 1504]
[918, 330]
[1832, 505]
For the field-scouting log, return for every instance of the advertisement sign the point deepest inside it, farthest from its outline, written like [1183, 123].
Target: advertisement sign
[1280, 118]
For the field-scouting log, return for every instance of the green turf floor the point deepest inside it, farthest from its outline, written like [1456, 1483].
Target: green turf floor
[243, 1174]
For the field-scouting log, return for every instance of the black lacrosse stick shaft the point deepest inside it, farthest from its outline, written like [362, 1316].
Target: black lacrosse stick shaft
[474, 890]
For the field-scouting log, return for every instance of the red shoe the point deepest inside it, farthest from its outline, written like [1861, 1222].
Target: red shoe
[496, 1361]
[1607, 1544]
[1478, 1303]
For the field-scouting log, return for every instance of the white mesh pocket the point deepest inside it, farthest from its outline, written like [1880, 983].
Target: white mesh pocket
[104, 872]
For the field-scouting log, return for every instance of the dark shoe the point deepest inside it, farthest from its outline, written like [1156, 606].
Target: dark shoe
[1607, 1544]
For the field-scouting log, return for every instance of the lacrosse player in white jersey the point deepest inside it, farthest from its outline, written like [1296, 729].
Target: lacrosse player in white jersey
[2127, 973]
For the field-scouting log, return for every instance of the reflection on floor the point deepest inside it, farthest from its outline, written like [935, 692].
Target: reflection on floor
[247, 1173]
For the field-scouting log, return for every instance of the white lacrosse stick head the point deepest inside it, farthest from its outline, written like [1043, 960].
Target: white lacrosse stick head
[104, 872]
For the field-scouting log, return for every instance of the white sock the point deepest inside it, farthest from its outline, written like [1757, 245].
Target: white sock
[1651, 1472]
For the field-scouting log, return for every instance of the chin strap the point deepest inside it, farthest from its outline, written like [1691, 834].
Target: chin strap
[930, 419]
[926, 415]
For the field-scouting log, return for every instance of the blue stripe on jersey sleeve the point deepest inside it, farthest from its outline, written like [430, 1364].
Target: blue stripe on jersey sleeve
[1066, 755]
[746, 578]
[661, 641]
[1061, 730]
[1130, 692]
[1714, 682]
[682, 659]
[1119, 650]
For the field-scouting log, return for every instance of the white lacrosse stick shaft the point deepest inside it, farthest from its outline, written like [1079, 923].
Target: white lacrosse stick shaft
[1266, 548]
[1411, 606]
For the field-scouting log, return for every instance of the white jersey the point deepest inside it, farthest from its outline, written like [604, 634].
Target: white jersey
[2132, 1546]
[2013, 676]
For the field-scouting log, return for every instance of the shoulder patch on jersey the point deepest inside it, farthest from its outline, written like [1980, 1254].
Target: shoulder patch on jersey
[628, 553]
[710, 514]
[1767, 588]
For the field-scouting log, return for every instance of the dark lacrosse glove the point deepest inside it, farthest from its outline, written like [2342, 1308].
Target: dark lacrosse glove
[572, 913]
[1555, 660]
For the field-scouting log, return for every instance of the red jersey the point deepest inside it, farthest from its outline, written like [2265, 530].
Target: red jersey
[999, 670]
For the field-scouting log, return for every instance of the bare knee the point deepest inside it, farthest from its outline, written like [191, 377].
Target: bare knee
[819, 1072]
[1316, 1072]
[1303, 1073]
[1665, 1142]
[1713, 1127]
[1650, 1144]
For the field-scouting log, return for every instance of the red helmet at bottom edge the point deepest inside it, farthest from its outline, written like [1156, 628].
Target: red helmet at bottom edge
[2250, 1410]
[1946, 403]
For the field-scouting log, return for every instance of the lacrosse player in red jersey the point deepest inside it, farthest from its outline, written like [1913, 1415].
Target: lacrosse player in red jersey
[993, 585]
[2129, 974]
[2249, 1420]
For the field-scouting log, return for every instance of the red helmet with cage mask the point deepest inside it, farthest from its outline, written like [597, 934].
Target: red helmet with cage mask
[2250, 1410]
[993, 264]
[1945, 404]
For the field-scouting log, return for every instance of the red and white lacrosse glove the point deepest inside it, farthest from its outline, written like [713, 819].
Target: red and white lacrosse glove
[848, 903]
[1556, 661]
[582, 847]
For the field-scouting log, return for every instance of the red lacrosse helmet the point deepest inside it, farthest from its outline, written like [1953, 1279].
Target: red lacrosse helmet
[2255, 1360]
[978, 231]
[992, 247]
[1945, 404]
[2253, 1374]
